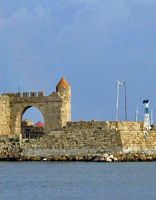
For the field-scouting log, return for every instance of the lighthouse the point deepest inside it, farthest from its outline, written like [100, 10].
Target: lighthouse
[147, 123]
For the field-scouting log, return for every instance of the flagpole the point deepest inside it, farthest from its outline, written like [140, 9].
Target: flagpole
[136, 114]
[125, 102]
[117, 101]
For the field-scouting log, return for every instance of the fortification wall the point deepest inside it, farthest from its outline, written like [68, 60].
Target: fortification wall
[49, 106]
[138, 141]
[112, 125]
[75, 142]
[4, 115]
[94, 139]
[55, 108]
[90, 140]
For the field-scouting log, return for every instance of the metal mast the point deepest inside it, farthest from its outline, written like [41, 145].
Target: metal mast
[121, 83]
[136, 114]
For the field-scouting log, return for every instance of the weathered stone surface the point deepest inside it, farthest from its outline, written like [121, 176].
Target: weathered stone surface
[5, 115]
[55, 108]
[93, 141]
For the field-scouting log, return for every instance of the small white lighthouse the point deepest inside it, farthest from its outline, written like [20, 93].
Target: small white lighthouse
[147, 123]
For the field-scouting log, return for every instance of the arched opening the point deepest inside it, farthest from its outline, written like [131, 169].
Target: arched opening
[32, 123]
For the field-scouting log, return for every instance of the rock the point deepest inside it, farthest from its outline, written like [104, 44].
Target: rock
[108, 159]
[106, 155]
[111, 157]
[115, 159]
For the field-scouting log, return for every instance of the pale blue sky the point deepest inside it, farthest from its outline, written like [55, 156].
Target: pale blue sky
[93, 43]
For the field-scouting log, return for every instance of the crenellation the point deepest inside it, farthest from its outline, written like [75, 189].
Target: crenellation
[33, 94]
[40, 94]
[26, 94]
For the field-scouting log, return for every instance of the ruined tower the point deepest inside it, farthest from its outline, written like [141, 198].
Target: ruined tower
[64, 90]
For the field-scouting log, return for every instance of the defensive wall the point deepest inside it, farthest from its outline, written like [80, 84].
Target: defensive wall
[94, 138]
[67, 140]
[86, 141]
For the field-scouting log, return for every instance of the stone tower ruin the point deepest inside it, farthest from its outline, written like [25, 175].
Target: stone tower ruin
[55, 108]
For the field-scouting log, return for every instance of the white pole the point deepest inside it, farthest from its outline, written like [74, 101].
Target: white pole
[125, 101]
[117, 101]
[136, 114]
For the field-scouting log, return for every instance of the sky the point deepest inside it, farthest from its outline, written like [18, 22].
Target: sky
[92, 43]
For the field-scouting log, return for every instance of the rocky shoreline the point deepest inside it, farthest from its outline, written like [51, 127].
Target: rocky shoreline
[120, 157]
[12, 150]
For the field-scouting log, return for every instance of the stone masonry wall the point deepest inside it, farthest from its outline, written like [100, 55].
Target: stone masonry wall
[4, 115]
[93, 138]
[138, 141]
[49, 106]
[55, 109]
[90, 140]
[74, 142]
[9, 148]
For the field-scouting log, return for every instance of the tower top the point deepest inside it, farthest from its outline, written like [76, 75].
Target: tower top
[63, 84]
[145, 101]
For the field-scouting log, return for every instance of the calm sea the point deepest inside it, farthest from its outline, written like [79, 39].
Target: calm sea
[77, 181]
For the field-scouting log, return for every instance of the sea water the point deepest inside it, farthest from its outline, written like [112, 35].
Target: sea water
[77, 181]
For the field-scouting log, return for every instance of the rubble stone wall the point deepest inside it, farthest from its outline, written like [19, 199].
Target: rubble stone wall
[55, 108]
[94, 138]
[4, 115]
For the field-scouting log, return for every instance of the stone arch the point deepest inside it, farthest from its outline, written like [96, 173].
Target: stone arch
[20, 113]
[33, 113]
[55, 108]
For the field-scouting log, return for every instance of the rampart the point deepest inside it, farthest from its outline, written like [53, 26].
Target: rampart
[94, 140]
[90, 140]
